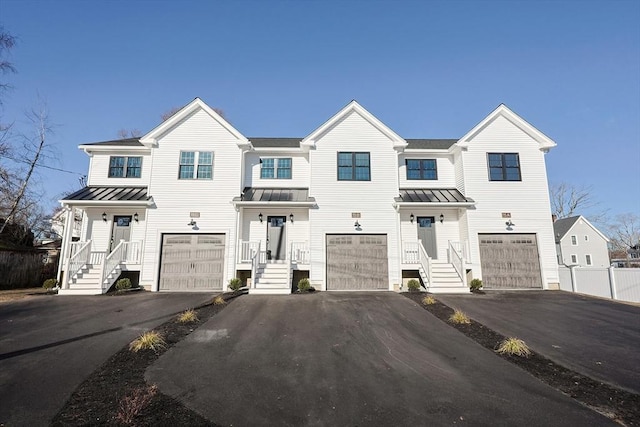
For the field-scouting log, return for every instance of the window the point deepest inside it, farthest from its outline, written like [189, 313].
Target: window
[422, 169]
[275, 168]
[586, 238]
[125, 167]
[504, 166]
[588, 257]
[353, 167]
[574, 240]
[574, 259]
[196, 165]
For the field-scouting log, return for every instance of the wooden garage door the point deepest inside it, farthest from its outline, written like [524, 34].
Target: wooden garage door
[357, 262]
[192, 262]
[510, 261]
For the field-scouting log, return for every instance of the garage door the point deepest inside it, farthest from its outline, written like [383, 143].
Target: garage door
[192, 262]
[509, 261]
[357, 262]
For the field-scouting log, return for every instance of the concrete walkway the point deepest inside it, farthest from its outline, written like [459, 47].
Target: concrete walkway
[50, 344]
[351, 359]
[596, 337]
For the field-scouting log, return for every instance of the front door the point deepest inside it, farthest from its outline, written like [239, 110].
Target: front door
[427, 235]
[121, 230]
[276, 238]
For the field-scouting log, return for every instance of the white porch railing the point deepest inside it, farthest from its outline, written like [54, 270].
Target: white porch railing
[425, 263]
[300, 252]
[113, 260]
[410, 252]
[247, 250]
[132, 252]
[461, 248]
[255, 264]
[79, 258]
[456, 258]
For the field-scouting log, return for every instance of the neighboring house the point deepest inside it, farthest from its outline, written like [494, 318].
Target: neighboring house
[626, 259]
[580, 243]
[352, 206]
[58, 223]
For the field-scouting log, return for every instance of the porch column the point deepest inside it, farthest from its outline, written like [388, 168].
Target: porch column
[67, 234]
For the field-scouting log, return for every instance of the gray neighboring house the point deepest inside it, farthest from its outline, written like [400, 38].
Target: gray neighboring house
[578, 242]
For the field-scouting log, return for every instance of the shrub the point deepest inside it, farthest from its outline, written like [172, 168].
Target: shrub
[134, 402]
[428, 300]
[219, 300]
[123, 284]
[151, 340]
[413, 285]
[50, 283]
[514, 347]
[235, 284]
[188, 316]
[304, 285]
[475, 285]
[459, 318]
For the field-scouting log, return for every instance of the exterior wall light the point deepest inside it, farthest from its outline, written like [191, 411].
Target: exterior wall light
[260, 216]
[357, 225]
[291, 218]
[441, 218]
[411, 217]
[135, 217]
[192, 223]
[509, 225]
[104, 216]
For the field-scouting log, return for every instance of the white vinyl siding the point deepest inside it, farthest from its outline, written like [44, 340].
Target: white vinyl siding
[574, 259]
[299, 171]
[176, 199]
[99, 165]
[338, 200]
[588, 259]
[446, 177]
[527, 201]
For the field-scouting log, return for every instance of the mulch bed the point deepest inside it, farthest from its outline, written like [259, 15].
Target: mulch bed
[101, 398]
[619, 405]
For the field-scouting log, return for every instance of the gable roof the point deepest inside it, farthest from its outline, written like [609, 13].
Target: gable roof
[126, 142]
[562, 226]
[353, 106]
[544, 141]
[150, 138]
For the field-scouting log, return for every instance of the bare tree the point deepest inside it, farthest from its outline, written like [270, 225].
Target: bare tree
[7, 41]
[129, 133]
[569, 200]
[624, 231]
[35, 147]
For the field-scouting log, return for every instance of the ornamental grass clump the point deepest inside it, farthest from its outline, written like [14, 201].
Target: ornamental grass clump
[514, 347]
[459, 318]
[134, 403]
[235, 284]
[219, 300]
[428, 300]
[413, 285]
[188, 316]
[151, 340]
[50, 284]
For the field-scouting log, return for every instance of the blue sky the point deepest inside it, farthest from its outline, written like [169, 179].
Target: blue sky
[427, 69]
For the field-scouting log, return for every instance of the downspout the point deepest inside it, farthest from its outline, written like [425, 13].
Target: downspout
[399, 240]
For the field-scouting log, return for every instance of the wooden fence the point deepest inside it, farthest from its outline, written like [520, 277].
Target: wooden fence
[21, 269]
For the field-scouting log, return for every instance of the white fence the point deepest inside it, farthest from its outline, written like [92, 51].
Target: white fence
[617, 283]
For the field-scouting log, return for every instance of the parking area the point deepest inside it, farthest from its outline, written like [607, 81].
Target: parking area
[351, 359]
[50, 344]
[596, 337]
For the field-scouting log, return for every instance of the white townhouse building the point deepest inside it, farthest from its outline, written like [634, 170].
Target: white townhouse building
[351, 206]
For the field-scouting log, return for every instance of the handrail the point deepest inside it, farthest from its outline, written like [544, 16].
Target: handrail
[425, 262]
[299, 252]
[254, 266]
[79, 259]
[247, 250]
[112, 260]
[288, 263]
[457, 260]
[132, 251]
[410, 253]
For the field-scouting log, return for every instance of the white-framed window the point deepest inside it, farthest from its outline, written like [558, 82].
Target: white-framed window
[125, 167]
[275, 168]
[588, 259]
[574, 240]
[196, 165]
[574, 259]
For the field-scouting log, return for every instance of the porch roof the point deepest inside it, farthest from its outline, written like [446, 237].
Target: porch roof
[108, 195]
[447, 196]
[288, 196]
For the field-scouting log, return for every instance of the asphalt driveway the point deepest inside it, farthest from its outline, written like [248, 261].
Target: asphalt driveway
[351, 359]
[596, 337]
[50, 344]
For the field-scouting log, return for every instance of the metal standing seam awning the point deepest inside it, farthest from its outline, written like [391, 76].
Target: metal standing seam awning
[433, 197]
[252, 196]
[109, 196]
